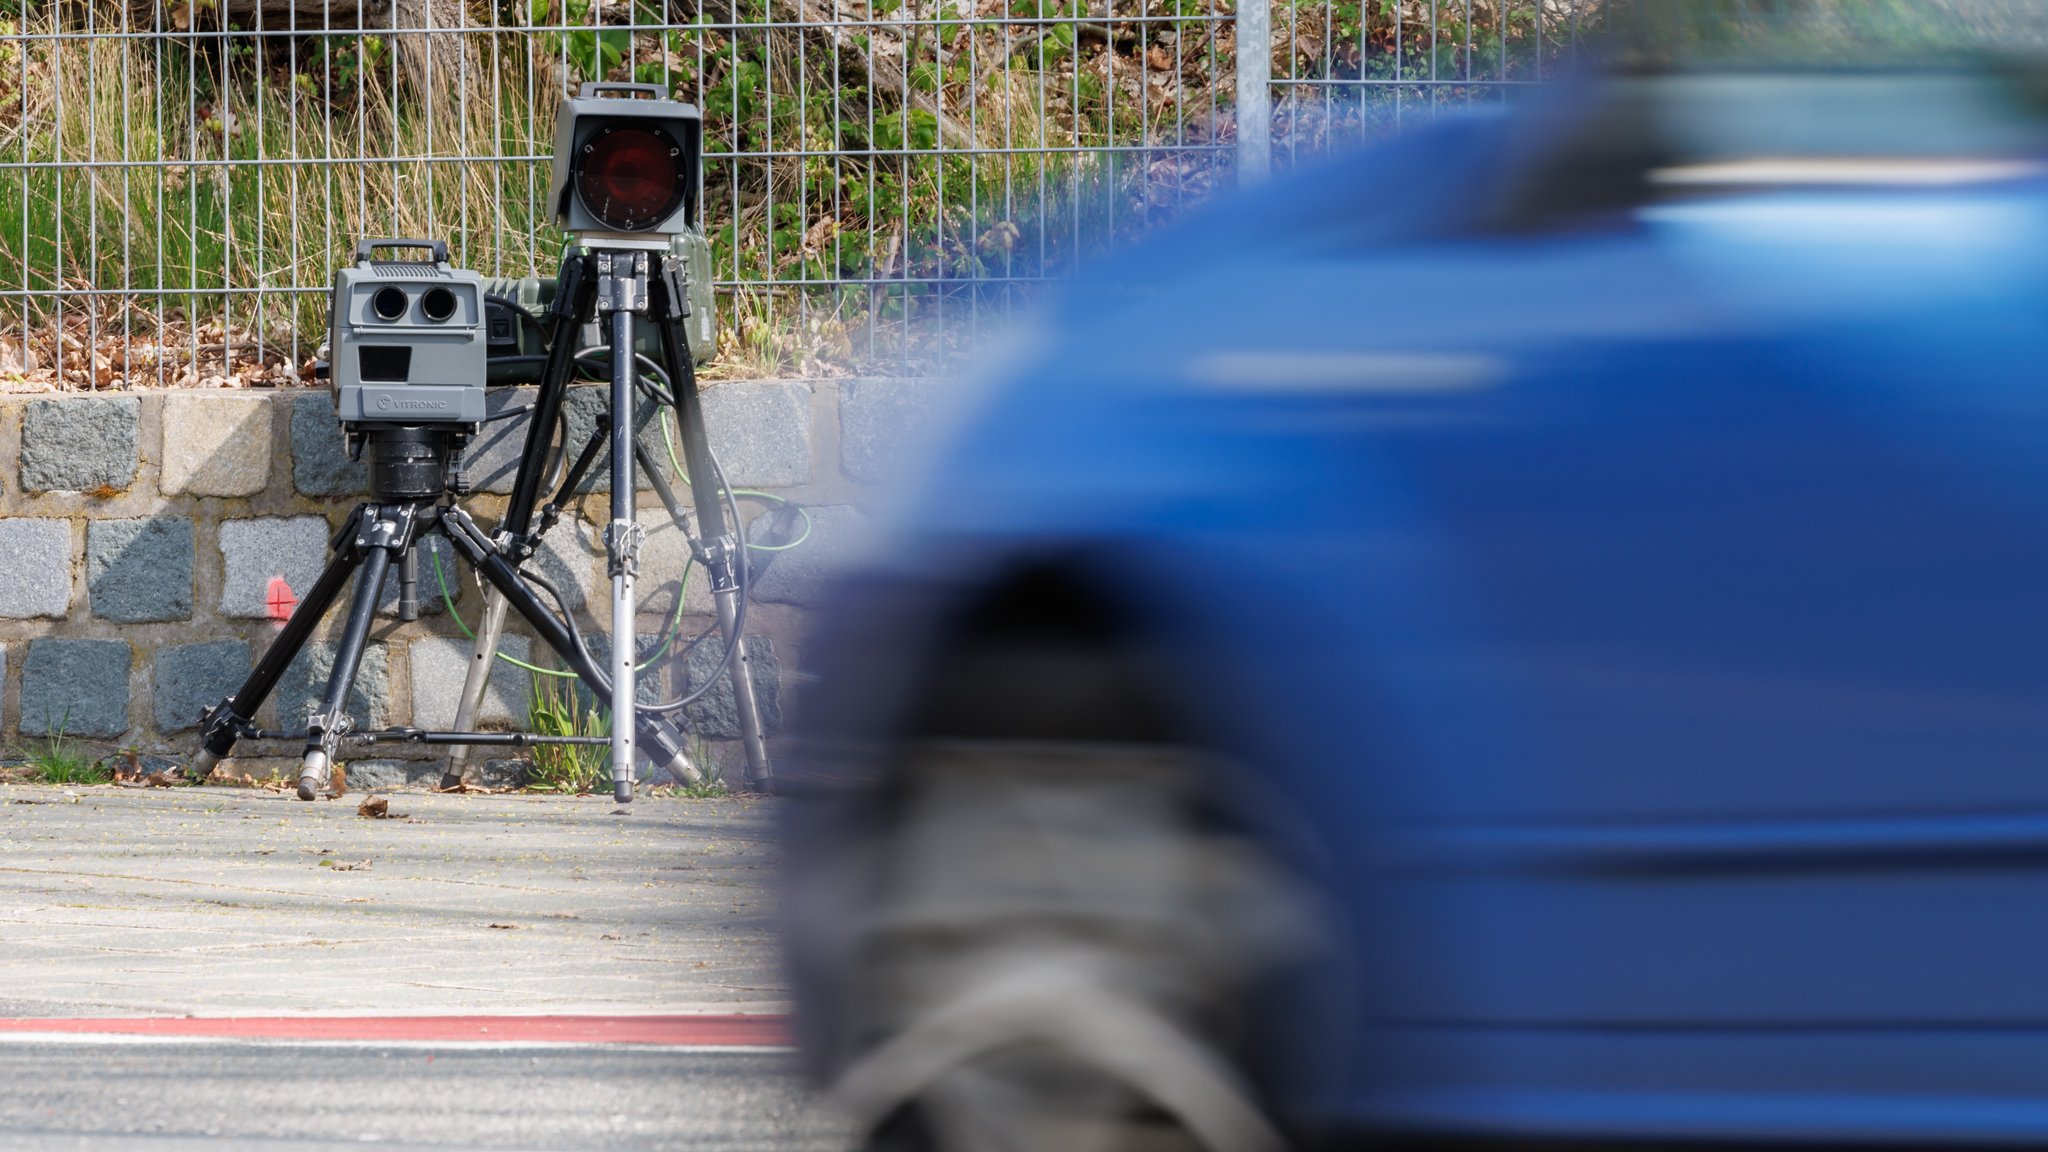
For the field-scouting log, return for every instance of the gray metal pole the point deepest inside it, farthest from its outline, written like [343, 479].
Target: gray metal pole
[482, 655]
[760, 773]
[622, 539]
[1254, 91]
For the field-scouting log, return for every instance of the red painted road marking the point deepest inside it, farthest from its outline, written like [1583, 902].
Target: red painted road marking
[280, 598]
[690, 1031]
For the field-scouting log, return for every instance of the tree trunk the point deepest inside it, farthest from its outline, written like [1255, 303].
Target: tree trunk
[433, 62]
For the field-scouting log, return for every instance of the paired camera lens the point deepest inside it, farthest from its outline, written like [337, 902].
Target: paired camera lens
[438, 304]
[389, 303]
[631, 175]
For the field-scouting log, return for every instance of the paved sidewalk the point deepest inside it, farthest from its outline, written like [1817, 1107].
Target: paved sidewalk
[217, 901]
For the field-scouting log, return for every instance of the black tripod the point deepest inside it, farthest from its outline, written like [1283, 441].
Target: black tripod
[410, 470]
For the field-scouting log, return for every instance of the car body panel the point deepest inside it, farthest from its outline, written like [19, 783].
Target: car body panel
[1647, 619]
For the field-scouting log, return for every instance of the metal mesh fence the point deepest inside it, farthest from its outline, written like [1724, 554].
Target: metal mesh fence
[1346, 71]
[179, 178]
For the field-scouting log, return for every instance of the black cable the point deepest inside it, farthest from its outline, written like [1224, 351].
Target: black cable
[507, 414]
[741, 578]
[569, 622]
[516, 306]
[668, 626]
[648, 368]
[742, 574]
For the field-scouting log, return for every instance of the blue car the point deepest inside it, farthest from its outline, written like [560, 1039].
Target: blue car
[1537, 630]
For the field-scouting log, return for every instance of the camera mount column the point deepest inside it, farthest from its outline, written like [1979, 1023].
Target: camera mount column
[622, 292]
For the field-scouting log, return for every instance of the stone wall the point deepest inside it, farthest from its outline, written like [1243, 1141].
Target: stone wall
[143, 538]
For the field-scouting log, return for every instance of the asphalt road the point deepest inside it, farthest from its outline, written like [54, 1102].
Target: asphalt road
[141, 1096]
[219, 901]
[189, 907]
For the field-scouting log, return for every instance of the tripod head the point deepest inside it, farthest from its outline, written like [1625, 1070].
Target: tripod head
[410, 464]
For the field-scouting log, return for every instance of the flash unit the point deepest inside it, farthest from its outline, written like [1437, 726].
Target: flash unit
[627, 164]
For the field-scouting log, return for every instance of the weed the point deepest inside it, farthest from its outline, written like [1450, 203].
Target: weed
[558, 709]
[60, 759]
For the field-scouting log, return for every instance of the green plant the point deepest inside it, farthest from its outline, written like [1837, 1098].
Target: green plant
[558, 709]
[60, 760]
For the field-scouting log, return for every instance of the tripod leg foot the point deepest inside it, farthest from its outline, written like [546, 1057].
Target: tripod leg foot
[202, 766]
[665, 747]
[313, 773]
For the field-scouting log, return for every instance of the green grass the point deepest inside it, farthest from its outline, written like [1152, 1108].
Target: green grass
[557, 709]
[59, 759]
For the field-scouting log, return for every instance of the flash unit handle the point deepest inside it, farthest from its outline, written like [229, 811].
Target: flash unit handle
[438, 247]
[599, 87]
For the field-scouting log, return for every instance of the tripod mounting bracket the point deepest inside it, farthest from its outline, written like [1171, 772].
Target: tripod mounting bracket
[621, 281]
[622, 540]
[673, 301]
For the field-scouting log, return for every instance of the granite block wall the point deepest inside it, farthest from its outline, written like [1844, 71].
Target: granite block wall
[150, 543]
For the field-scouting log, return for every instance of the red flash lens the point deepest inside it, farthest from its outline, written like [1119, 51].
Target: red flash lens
[630, 175]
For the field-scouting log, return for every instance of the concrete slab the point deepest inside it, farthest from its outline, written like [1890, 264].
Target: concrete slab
[213, 901]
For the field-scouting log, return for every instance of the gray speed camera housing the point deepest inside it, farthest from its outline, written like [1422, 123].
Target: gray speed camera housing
[407, 342]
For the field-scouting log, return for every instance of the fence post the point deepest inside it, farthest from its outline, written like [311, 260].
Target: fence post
[1254, 91]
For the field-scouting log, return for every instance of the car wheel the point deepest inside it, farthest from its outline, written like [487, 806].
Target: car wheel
[1059, 950]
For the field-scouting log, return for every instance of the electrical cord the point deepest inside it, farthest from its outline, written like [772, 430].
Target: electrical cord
[739, 616]
[750, 493]
[568, 619]
[650, 369]
[516, 306]
[668, 630]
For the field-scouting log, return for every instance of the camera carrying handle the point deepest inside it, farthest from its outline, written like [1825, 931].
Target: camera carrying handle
[600, 87]
[439, 248]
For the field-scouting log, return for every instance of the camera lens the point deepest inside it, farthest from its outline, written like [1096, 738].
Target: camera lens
[438, 304]
[630, 175]
[388, 303]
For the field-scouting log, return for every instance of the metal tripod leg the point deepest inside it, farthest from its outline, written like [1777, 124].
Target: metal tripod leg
[381, 534]
[663, 744]
[724, 545]
[222, 724]
[622, 291]
[741, 670]
[482, 655]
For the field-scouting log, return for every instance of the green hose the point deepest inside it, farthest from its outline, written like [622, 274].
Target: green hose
[448, 598]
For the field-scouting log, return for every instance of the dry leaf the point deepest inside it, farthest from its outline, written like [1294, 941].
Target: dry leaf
[501, 925]
[374, 808]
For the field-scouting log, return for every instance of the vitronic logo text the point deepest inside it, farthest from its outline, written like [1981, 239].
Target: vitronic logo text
[387, 403]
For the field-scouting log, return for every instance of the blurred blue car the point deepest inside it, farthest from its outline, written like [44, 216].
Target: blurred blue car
[1536, 630]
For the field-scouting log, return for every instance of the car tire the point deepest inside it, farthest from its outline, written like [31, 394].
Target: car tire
[1060, 948]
